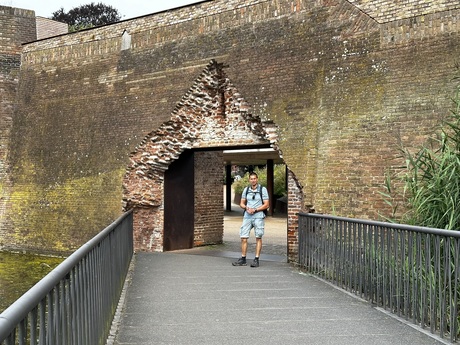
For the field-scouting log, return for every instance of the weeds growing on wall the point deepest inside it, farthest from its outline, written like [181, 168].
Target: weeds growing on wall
[431, 177]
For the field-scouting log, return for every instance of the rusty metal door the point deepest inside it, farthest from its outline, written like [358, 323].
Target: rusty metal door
[179, 203]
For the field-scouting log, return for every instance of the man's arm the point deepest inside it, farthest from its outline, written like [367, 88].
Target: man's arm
[243, 203]
[265, 200]
[247, 209]
[264, 206]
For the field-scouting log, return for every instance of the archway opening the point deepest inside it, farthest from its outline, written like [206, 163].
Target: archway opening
[210, 118]
[272, 174]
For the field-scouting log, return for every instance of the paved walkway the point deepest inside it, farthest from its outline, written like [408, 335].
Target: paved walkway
[198, 297]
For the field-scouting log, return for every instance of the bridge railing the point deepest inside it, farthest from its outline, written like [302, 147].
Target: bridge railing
[75, 303]
[413, 272]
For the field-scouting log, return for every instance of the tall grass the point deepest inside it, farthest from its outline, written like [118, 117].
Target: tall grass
[430, 194]
[431, 177]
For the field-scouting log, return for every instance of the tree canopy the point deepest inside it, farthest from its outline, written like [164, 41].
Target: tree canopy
[87, 16]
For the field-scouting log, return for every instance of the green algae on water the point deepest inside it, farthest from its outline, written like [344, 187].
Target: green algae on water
[19, 272]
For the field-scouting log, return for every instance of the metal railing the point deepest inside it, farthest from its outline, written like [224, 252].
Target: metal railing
[75, 303]
[413, 272]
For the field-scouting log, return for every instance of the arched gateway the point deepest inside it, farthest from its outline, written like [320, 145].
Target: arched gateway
[174, 180]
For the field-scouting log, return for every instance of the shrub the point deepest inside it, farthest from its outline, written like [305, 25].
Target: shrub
[279, 180]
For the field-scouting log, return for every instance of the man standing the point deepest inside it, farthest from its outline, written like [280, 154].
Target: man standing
[254, 201]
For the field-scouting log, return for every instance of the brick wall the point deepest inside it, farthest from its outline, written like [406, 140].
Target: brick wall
[209, 204]
[16, 27]
[389, 10]
[410, 31]
[295, 202]
[330, 76]
[212, 114]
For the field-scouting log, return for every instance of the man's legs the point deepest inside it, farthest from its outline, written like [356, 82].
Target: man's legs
[258, 246]
[259, 226]
[244, 247]
[244, 234]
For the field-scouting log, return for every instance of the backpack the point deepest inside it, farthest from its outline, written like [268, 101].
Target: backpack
[259, 189]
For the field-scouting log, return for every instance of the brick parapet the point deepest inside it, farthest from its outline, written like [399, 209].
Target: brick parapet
[221, 15]
[419, 28]
[159, 28]
[384, 11]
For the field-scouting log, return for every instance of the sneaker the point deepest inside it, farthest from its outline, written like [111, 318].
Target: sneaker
[241, 262]
[255, 263]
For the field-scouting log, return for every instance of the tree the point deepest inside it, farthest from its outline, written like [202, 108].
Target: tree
[87, 16]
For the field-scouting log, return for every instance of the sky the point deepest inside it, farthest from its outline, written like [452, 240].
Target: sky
[126, 8]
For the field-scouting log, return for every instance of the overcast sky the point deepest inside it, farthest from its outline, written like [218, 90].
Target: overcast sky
[126, 8]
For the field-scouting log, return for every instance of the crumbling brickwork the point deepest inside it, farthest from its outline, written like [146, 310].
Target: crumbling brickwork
[295, 202]
[212, 114]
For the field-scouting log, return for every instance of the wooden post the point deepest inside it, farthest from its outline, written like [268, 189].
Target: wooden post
[270, 185]
[228, 185]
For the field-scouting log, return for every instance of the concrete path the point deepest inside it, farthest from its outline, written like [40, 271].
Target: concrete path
[190, 298]
[197, 297]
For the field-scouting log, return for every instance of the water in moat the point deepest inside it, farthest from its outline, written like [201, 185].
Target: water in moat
[19, 272]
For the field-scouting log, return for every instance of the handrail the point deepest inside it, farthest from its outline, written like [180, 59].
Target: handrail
[412, 271]
[96, 269]
[414, 228]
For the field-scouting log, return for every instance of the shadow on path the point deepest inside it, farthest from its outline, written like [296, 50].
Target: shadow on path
[274, 246]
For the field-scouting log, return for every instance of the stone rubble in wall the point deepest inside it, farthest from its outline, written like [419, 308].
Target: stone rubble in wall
[211, 114]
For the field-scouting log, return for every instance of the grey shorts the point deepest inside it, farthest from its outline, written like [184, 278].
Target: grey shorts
[249, 223]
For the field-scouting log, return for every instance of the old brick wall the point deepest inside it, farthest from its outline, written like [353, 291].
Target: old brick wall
[17, 26]
[209, 203]
[341, 83]
[209, 226]
[212, 114]
[296, 205]
[389, 10]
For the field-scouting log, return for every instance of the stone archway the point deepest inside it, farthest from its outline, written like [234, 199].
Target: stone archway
[211, 115]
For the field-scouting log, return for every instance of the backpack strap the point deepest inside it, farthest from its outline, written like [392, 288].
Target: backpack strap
[247, 189]
[262, 199]
[259, 189]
